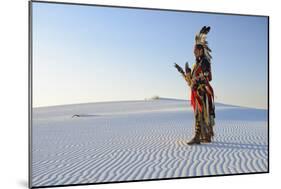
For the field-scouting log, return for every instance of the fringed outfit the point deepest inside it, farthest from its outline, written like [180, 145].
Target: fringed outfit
[202, 98]
[202, 94]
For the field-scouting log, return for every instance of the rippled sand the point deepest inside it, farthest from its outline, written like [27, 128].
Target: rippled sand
[138, 140]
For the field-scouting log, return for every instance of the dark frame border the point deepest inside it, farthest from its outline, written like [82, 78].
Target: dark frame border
[30, 90]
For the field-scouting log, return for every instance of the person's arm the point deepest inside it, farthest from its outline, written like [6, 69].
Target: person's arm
[206, 70]
[187, 75]
[203, 76]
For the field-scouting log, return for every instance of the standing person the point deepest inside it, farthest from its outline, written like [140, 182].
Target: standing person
[202, 95]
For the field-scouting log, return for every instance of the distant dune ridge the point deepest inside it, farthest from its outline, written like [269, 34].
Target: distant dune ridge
[137, 140]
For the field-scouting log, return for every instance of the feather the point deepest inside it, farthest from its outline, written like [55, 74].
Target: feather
[187, 69]
[201, 38]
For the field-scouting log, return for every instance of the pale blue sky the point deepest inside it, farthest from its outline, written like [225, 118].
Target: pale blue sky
[92, 54]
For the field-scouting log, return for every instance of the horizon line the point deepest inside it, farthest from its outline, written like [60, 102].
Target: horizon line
[154, 98]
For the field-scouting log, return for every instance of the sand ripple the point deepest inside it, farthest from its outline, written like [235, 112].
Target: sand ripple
[146, 145]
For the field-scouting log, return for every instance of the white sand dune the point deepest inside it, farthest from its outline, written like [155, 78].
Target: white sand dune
[137, 140]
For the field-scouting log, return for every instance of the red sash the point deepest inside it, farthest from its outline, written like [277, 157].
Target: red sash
[195, 97]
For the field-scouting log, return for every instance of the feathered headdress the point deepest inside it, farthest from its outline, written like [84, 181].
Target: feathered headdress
[200, 39]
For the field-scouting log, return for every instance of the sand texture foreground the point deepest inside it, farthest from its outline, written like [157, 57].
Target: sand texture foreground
[137, 140]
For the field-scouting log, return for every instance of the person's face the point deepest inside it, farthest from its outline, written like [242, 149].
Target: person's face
[198, 52]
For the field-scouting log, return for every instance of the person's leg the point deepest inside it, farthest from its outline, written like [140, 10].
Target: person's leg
[204, 121]
[212, 117]
[204, 130]
[196, 138]
[208, 120]
[212, 124]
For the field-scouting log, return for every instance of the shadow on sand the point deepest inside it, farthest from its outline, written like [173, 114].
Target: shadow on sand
[227, 145]
[242, 114]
